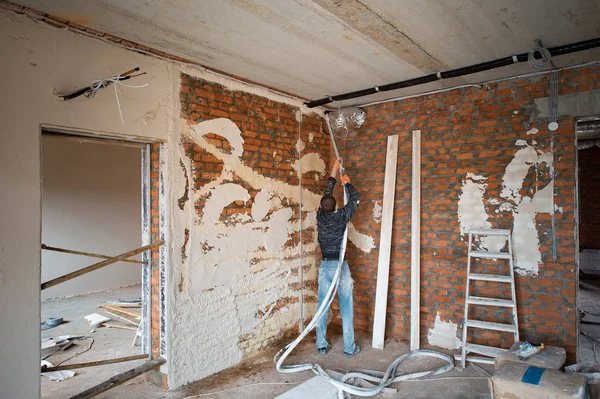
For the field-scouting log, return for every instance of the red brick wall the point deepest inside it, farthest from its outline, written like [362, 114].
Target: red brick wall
[465, 130]
[589, 198]
[266, 127]
[155, 253]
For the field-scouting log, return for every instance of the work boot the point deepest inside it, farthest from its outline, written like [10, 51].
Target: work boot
[355, 352]
[324, 351]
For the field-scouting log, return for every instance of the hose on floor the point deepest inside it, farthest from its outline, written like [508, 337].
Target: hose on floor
[383, 379]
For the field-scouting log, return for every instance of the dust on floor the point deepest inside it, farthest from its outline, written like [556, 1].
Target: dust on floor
[108, 343]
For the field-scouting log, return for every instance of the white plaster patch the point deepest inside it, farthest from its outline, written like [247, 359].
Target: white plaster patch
[310, 137]
[219, 198]
[516, 171]
[300, 146]
[525, 235]
[262, 204]
[472, 214]
[443, 334]
[377, 211]
[308, 163]
[362, 241]
[532, 131]
[471, 209]
[225, 128]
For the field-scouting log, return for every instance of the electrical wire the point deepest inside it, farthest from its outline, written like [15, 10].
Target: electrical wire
[594, 342]
[102, 83]
[240, 387]
[540, 64]
[77, 354]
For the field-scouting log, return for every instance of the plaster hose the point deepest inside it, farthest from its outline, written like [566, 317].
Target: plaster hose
[383, 379]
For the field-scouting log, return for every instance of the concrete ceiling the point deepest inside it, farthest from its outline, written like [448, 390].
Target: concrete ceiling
[314, 48]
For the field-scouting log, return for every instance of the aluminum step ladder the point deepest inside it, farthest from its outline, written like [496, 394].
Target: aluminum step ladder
[489, 351]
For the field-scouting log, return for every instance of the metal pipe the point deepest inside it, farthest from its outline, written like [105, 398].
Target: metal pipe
[477, 85]
[484, 66]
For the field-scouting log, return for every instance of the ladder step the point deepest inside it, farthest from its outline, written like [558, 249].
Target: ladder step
[490, 277]
[485, 350]
[477, 300]
[475, 359]
[491, 232]
[488, 325]
[489, 255]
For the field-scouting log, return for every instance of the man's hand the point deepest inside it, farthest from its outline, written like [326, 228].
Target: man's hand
[345, 179]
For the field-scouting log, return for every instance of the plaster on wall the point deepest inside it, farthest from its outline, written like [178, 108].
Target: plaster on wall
[522, 204]
[308, 163]
[238, 265]
[444, 334]
[377, 212]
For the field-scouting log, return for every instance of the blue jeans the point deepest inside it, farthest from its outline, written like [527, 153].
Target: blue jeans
[326, 272]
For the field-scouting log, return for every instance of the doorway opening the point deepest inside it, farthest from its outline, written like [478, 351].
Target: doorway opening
[587, 132]
[100, 250]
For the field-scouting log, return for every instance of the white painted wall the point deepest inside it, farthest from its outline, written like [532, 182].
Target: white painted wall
[36, 60]
[91, 202]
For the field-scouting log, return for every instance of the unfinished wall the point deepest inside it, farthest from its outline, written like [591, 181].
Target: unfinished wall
[486, 163]
[43, 59]
[236, 241]
[91, 202]
[589, 198]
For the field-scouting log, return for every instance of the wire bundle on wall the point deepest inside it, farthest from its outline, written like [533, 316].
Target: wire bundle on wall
[90, 91]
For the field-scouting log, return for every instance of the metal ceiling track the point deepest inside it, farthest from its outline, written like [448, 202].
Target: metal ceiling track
[485, 66]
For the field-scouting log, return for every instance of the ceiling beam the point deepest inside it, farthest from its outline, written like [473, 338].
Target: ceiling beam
[360, 17]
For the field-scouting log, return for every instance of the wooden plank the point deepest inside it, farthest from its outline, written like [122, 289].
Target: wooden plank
[121, 310]
[99, 265]
[119, 379]
[93, 364]
[415, 249]
[122, 318]
[385, 242]
[108, 325]
[90, 254]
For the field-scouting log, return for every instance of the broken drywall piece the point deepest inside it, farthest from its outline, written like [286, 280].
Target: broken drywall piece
[444, 334]
[362, 241]
[377, 212]
[95, 319]
[308, 163]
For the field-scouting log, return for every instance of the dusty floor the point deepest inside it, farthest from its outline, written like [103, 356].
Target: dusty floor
[238, 382]
[108, 342]
[589, 301]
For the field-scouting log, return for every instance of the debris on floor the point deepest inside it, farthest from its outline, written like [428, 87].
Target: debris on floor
[96, 319]
[52, 322]
[56, 375]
